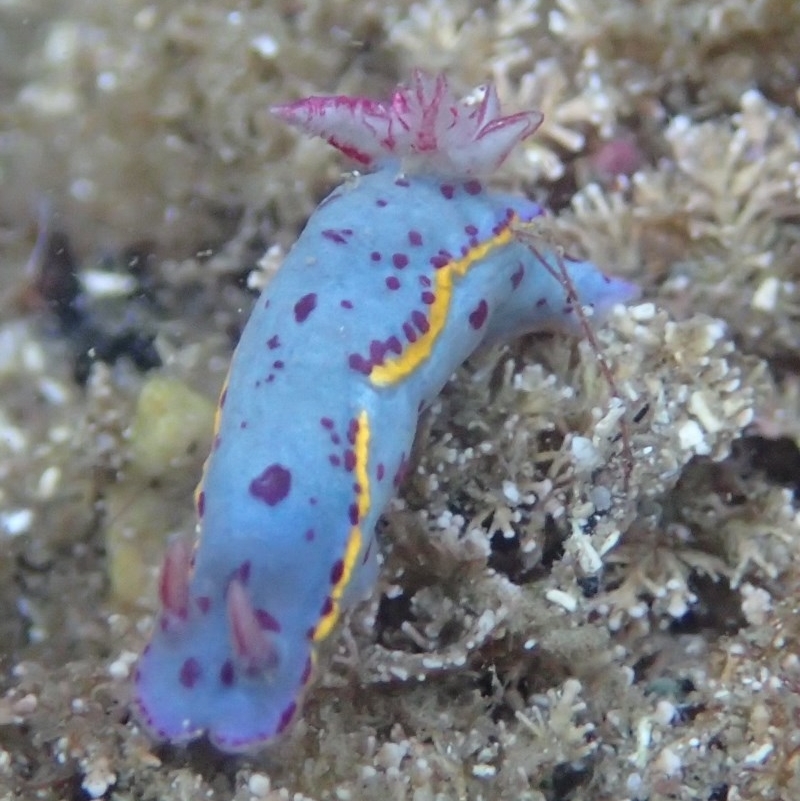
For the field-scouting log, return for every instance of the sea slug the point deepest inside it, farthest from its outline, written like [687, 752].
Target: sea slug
[399, 275]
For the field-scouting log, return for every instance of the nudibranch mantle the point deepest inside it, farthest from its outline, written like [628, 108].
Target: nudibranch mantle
[398, 276]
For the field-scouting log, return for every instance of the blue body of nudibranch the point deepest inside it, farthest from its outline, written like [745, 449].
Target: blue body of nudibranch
[395, 280]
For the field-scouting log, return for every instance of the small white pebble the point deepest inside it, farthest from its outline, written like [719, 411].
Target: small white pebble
[16, 521]
[48, 482]
[643, 312]
[484, 771]
[104, 284]
[265, 46]
[765, 297]
[756, 604]
[511, 491]
[563, 599]
[259, 785]
[390, 755]
[665, 712]
[760, 755]
[691, 438]
[585, 456]
[120, 668]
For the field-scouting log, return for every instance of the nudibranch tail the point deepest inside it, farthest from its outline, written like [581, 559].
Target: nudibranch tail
[424, 125]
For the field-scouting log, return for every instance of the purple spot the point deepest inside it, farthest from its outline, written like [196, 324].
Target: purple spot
[473, 187]
[272, 486]
[201, 503]
[400, 260]
[352, 431]
[278, 365]
[411, 334]
[375, 256]
[393, 282]
[306, 672]
[471, 230]
[286, 717]
[334, 460]
[266, 303]
[516, 278]
[381, 202]
[346, 304]
[367, 553]
[326, 422]
[358, 363]
[190, 673]
[273, 342]
[243, 572]
[327, 607]
[393, 344]
[353, 514]
[309, 535]
[203, 603]
[567, 309]
[349, 461]
[402, 182]
[424, 280]
[312, 501]
[226, 673]
[339, 237]
[335, 439]
[380, 471]
[266, 621]
[243, 424]
[420, 321]
[439, 261]
[448, 190]
[377, 350]
[305, 306]
[428, 298]
[478, 317]
[541, 302]
[337, 571]
[415, 238]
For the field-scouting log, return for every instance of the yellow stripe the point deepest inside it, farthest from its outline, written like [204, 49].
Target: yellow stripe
[217, 422]
[394, 370]
[352, 550]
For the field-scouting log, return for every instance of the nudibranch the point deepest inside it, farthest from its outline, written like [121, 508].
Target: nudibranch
[398, 276]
